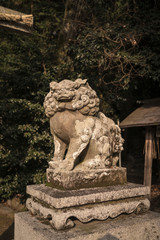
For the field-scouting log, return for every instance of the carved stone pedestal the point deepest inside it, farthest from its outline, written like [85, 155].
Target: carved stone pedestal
[62, 207]
[78, 179]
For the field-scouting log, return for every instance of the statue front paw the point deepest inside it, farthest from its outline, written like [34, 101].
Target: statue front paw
[68, 165]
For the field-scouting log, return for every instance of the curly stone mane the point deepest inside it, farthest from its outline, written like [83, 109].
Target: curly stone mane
[68, 95]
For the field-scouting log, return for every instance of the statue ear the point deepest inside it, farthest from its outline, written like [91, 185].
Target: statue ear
[53, 85]
[79, 82]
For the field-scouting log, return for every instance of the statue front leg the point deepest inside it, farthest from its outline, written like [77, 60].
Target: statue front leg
[59, 152]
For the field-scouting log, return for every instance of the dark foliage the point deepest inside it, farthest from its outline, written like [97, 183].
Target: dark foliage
[114, 44]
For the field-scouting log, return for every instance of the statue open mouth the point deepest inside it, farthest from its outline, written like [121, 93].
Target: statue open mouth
[65, 98]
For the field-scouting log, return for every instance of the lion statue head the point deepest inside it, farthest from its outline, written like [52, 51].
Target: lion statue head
[77, 95]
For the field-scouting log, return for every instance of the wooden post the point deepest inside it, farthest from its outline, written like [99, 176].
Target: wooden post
[125, 144]
[148, 157]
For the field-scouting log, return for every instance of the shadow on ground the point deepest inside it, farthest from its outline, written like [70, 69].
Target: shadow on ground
[108, 237]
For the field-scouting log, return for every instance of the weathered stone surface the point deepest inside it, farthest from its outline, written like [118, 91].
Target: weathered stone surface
[87, 204]
[78, 179]
[60, 199]
[62, 218]
[132, 227]
[94, 141]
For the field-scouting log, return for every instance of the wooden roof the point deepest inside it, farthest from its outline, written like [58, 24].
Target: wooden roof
[146, 115]
[16, 21]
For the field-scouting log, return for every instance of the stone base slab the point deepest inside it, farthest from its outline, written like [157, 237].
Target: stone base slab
[69, 198]
[59, 207]
[77, 179]
[132, 227]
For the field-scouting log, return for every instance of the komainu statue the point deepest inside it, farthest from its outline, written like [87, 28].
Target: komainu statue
[84, 138]
[83, 181]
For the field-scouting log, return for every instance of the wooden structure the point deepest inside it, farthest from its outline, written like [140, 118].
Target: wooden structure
[16, 21]
[148, 115]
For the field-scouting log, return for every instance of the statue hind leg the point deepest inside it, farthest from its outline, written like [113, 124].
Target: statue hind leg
[76, 147]
[83, 134]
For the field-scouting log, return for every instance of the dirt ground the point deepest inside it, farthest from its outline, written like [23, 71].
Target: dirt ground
[7, 211]
[6, 222]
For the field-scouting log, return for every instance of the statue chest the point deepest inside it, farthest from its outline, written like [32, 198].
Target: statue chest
[62, 124]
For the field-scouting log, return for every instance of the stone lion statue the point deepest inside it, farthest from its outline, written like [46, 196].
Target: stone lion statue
[84, 138]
